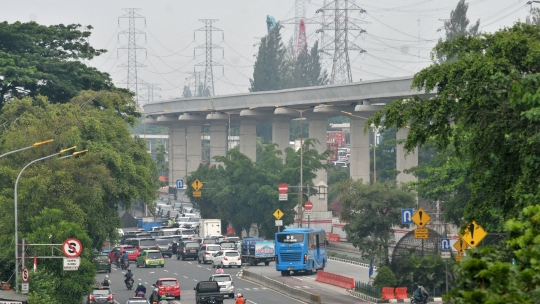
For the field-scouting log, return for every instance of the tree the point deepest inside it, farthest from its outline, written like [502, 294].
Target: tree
[270, 64]
[161, 162]
[371, 211]
[534, 17]
[458, 23]
[385, 278]
[306, 70]
[485, 108]
[187, 92]
[46, 60]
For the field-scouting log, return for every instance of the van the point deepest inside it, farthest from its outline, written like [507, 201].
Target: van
[144, 244]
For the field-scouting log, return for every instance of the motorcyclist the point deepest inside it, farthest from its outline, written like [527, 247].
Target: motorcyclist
[174, 247]
[117, 256]
[128, 275]
[106, 281]
[125, 258]
[219, 270]
[163, 300]
[420, 294]
[140, 288]
[240, 299]
[154, 298]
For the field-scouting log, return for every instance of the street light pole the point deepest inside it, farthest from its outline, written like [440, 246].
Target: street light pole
[16, 211]
[301, 188]
[29, 147]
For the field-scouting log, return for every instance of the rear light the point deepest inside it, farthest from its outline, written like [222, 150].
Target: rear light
[110, 298]
[170, 246]
[225, 258]
[147, 259]
[277, 259]
[108, 260]
[184, 249]
[206, 252]
[305, 258]
[91, 298]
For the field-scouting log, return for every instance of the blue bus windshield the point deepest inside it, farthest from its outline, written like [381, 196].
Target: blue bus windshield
[290, 238]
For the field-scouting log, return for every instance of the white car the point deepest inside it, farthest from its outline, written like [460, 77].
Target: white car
[206, 253]
[225, 282]
[227, 258]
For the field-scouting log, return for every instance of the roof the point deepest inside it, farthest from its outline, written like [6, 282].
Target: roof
[301, 230]
[167, 279]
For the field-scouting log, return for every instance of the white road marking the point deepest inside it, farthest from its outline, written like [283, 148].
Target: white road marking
[145, 282]
[176, 273]
[247, 289]
[199, 266]
[185, 277]
[151, 272]
[306, 286]
[195, 280]
[165, 270]
[297, 278]
[207, 268]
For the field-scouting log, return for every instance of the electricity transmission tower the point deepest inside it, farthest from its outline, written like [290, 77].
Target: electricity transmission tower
[299, 14]
[301, 37]
[150, 87]
[197, 85]
[132, 81]
[341, 25]
[209, 47]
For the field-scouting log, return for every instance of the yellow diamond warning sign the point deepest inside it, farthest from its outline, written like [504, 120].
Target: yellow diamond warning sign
[473, 234]
[420, 218]
[278, 214]
[461, 245]
[197, 185]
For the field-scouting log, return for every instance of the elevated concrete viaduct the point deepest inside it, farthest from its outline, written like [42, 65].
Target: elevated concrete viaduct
[185, 118]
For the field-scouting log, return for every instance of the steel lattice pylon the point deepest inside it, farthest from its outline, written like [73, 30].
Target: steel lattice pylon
[209, 48]
[343, 23]
[132, 81]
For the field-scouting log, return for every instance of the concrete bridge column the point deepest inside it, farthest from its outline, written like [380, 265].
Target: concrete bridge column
[248, 138]
[218, 140]
[360, 158]
[281, 129]
[404, 161]
[317, 129]
[194, 146]
[177, 153]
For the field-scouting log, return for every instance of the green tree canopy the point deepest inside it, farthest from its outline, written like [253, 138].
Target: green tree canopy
[46, 60]
[486, 108]
[458, 24]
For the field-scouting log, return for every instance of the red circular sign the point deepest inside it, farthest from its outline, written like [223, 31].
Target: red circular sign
[72, 248]
[25, 275]
[308, 205]
[283, 188]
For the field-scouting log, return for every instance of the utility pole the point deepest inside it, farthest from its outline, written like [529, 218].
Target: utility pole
[209, 47]
[343, 23]
[132, 81]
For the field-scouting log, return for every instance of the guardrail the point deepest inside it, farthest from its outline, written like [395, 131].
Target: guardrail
[368, 289]
[281, 287]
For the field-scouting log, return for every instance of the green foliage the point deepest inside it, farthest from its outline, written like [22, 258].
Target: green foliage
[270, 66]
[386, 156]
[187, 92]
[485, 107]
[46, 60]
[161, 162]
[243, 192]
[428, 270]
[336, 175]
[458, 23]
[371, 212]
[385, 278]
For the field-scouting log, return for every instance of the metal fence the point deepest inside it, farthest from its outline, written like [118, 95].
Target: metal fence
[368, 289]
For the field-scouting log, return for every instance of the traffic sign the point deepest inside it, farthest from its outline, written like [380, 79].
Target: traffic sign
[278, 214]
[445, 254]
[445, 244]
[421, 218]
[308, 212]
[24, 290]
[461, 245]
[179, 184]
[406, 216]
[279, 223]
[72, 263]
[25, 275]
[197, 193]
[72, 248]
[421, 233]
[283, 188]
[308, 205]
[459, 256]
[473, 234]
[283, 196]
[197, 185]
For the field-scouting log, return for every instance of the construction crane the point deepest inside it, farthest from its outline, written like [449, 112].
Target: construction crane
[270, 22]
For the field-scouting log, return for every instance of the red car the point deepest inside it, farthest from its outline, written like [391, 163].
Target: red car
[168, 287]
[132, 254]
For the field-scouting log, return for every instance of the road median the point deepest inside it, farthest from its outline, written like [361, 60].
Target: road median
[281, 287]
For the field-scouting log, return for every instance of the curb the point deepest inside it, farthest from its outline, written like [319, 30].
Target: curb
[362, 296]
[375, 300]
[352, 262]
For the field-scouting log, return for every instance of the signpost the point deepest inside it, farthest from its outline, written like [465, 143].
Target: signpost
[278, 214]
[406, 216]
[72, 248]
[421, 233]
[279, 223]
[308, 206]
[445, 244]
[421, 218]
[445, 254]
[197, 185]
[283, 189]
[72, 263]
[473, 234]
[179, 184]
[25, 275]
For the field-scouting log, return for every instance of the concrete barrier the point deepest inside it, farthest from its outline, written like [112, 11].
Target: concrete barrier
[352, 262]
[281, 287]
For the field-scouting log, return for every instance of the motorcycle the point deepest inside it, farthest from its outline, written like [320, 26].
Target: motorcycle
[129, 284]
[125, 264]
[414, 301]
[141, 294]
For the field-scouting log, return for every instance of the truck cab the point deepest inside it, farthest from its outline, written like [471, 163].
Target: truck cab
[208, 292]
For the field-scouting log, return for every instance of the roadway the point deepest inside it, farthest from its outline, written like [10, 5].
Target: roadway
[188, 273]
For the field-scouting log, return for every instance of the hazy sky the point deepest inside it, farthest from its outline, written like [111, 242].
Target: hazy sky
[392, 41]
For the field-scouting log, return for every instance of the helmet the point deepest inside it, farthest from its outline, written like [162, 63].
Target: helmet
[163, 297]
[239, 295]
[129, 269]
[106, 277]
[218, 266]
[140, 284]
[156, 290]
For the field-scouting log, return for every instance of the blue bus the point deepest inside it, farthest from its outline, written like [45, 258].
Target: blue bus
[300, 249]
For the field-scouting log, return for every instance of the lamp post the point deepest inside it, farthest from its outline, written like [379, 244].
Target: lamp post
[29, 147]
[16, 208]
[301, 188]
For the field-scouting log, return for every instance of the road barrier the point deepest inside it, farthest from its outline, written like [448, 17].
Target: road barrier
[388, 293]
[333, 237]
[281, 287]
[401, 293]
[335, 279]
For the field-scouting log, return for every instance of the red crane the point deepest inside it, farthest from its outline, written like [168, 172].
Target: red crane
[301, 37]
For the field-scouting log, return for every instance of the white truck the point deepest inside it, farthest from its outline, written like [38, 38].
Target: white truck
[209, 226]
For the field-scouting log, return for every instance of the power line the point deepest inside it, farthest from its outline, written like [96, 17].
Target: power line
[209, 49]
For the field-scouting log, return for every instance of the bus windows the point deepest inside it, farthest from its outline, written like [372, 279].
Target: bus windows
[290, 238]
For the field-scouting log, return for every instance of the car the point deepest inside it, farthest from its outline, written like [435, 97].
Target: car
[341, 164]
[226, 245]
[227, 258]
[154, 234]
[225, 282]
[132, 255]
[101, 294]
[168, 287]
[165, 246]
[102, 262]
[173, 214]
[190, 234]
[137, 300]
[187, 250]
[143, 244]
[206, 253]
[206, 241]
[150, 258]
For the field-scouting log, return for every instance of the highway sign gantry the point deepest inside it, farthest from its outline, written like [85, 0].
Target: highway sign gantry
[278, 214]
[421, 218]
[406, 216]
[473, 234]
[72, 248]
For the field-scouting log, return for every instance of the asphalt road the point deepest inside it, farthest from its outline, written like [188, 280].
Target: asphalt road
[188, 274]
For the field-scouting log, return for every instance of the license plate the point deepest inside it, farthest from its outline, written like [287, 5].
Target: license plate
[290, 268]
[169, 294]
[193, 251]
[232, 263]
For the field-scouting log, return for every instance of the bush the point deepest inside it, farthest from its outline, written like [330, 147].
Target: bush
[385, 278]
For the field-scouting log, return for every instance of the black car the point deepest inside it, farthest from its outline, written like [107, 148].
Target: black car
[188, 250]
[165, 246]
[102, 263]
[101, 295]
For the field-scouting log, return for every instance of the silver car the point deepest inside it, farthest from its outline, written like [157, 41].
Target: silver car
[206, 252]
[225, 282]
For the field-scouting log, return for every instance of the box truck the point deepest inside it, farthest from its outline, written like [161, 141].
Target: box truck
[209, 227]
[257, 250]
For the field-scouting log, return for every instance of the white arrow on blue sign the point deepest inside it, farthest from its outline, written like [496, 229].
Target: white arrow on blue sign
[445, 244]
[406, 216]
[179, 184]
